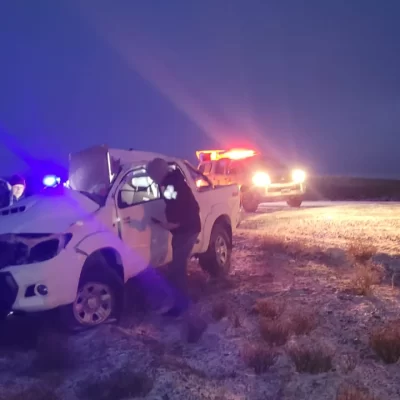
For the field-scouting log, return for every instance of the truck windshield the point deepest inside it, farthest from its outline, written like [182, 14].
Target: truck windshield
[92, 172]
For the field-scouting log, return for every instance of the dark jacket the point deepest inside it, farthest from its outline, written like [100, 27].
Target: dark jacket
[181, 205]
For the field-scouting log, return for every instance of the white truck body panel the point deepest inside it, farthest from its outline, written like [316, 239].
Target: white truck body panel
[127, 231]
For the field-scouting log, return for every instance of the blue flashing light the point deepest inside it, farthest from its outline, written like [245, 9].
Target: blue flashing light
[51, 180]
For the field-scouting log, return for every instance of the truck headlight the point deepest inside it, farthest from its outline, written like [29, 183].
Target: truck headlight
[298, 175]
[261, 179]
[49, 248]
[29, 248]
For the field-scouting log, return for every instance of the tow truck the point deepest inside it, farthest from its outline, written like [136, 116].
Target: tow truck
[260, 178]
[72, 247]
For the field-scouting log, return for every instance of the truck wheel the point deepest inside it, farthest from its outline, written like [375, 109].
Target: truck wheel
[217, 260]
[250, 201]
[99, 300]
[295, 202]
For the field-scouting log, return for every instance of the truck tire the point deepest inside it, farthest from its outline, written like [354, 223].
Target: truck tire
[250, 201]
[295, 202]
[99, 300]
[216, 261]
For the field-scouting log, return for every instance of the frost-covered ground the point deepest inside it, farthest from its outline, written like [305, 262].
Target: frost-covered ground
[308, 273]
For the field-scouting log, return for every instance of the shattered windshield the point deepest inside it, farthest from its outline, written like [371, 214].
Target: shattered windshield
[92, 172]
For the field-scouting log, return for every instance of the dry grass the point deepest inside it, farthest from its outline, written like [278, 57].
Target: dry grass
[365, 277]
[353, 392]
[385, 342]
[219, 310]
[271, 245]
[275, 333]
[269, 308]
[314, 358]
[259, 358]
[361, 252]
[302, 322]
[122, 384]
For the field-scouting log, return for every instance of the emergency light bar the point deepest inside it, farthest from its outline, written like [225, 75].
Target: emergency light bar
[232, 154]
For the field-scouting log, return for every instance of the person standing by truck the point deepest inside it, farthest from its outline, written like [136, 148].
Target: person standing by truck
[183, 216]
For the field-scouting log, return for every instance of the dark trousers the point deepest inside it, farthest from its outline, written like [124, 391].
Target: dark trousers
[182, 246]
[157, 289]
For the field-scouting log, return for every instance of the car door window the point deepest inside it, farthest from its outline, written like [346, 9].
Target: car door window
[137, 187]
[201, 181]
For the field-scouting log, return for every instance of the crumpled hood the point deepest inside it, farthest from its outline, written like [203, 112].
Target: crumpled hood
[46, 213]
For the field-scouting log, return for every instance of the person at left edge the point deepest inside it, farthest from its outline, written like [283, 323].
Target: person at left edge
[18, 187]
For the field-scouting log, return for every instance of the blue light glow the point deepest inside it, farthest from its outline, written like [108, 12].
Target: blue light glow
[51, 180]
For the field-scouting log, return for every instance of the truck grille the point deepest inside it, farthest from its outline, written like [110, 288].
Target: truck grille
[280, 177]
[14, 210]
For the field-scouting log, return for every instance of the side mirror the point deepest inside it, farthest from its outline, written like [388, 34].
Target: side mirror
[203, 184]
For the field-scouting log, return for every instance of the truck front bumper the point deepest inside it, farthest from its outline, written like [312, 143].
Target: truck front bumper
[276, 192]
[41, 286]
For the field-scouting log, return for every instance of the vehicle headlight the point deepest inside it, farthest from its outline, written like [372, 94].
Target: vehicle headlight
[49, 248]
[298, 175]
[261, 179]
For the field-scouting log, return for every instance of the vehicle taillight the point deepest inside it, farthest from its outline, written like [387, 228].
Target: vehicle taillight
[261, 179]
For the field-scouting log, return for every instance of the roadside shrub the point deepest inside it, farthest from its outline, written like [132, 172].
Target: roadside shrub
[385, 342]
[275, 333]
[312, 358]
[302, 322]
[365, 276]
[259, 358]
[269, 308]
[361, 251]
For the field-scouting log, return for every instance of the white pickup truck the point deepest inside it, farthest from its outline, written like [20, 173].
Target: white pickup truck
[73, 248]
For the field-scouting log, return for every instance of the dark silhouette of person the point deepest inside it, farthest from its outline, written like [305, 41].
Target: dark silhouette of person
[18, 187]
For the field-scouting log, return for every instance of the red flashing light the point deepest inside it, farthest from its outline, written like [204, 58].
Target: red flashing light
[232, 154]
[239, 154]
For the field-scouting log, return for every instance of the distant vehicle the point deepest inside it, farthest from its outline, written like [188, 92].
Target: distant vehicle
[260, 178]
[75, 245]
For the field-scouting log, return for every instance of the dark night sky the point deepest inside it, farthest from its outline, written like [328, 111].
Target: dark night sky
[317, 81]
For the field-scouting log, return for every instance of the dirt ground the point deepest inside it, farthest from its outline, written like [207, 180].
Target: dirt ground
[300, 263]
